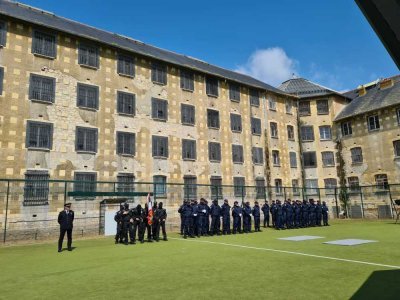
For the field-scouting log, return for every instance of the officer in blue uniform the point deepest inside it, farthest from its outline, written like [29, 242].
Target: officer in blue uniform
[273, 213]
[207, 225]
[247, 218]
[215, 211]
[279, 216]
[118, 220]
[325, 213]
[289, 214]
[202, 217]
[180, 211]
[187, 216]
[265, 210]
[318, 213]
[312, 215]
[284, 213]
[297, 214]
[237, 213]
[195, 219]
[304, 209]
[256, 215]
[226, 218]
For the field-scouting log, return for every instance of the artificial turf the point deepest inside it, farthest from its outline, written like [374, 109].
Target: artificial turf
[192, 269]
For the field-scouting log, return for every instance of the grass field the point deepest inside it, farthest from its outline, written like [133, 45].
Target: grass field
[214, 267]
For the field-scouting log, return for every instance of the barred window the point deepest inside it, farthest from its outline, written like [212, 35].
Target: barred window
[274, 129]
[85, 182]
[354, 184]
[88, 96]
[328, 159]
[236, 122]
[307, 133]
[290, 132]
[260, 188]
[44, 44]
[189, 187]
[255, 126]
[239, 186]
[325, 132]
[159, 109]
[212, 118]
[258, 156]
[42, 88]
[36, 188]
[1, 79]
[254, 97]
[275, 158]
[126, 103]
[39, 135]
[189, 149]
[396, 147]
[216, 187]
[293, 159]
[356, 155]
[382, 182]
[125, 182]
[3, 34]
[187, 80]
[214, 151]
[322, 107]
[278, 187]
[311, 186]
[212, 86]
[289, 106]
[160, 146]
[237, 153]
[188, 116]
[304, 108]
[295, 187]
[88, 55]
[160, 185]
[310, 159]
[159, 73]
[271, 103]
[86, 139]
[126, 65]
[373, 122]
[346, 129]
[125, 143]
[330, 185]
[234, 92]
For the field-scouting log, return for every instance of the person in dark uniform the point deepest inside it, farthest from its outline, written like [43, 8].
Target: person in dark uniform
[187, 215]
[279, 216]
[325, 213]
[265, 210]
[289, 214]
[180, 210]
[195, 218]
[118, 220]
[126, 218]
[247, 218]
[66, 221]
[226, 217]
[318, 213]
[202, 217]
[145, 225]
[237, 218]
[160, 218]
[272, 210]
[215, 211]
[135, 223]
[207, 217]
[297, 214]
[256, 215]
[312, 214]
[304, 210]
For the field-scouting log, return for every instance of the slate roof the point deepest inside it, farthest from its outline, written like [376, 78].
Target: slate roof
[49, 20]
[304, 88]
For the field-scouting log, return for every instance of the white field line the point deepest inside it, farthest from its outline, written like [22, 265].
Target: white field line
[292, 252]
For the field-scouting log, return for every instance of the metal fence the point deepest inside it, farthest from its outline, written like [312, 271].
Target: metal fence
[29, 208]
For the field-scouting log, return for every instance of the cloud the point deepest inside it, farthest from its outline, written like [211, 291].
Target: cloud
[271, 65]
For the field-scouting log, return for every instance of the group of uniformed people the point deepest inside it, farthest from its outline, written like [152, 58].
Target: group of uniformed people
[136, 221]
[195, 217]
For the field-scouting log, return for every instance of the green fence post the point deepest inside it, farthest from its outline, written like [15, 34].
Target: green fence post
[391, 202]
[155, 193]
[362, 203]
[284, 193]
[242, 194]
[65, 192]
[337, 207]
[216, 192]
[6, 216]
[319, 194]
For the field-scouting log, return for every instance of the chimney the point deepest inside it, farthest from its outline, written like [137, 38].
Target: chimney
[361, 90]
[386, 83]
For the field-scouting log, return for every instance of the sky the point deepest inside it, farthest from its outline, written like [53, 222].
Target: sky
[326, 41]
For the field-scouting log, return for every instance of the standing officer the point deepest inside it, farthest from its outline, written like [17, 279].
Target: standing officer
[297, 214]
[215, 211]
[247, 218]
[180, 210]
[237, 217]
[312, 215]
[304, 209]
[160, 218]
[202, 217]
[66, 220]
[208, 213]
[279, 218]
[273, 213]
[126, 218]
[265, 210]
[187, 215]
[256, 214]
[289, 214]
[318, 213]
[145, 225]
[226, 218]
[118, 219]
[325, 213]
[136, 224]
[195, 218]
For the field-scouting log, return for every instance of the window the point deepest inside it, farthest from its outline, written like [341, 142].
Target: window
[381, 182]
[1, 80]
[85, 182]
[234, 92]
[160, 185]
[274, 129]
[236, 123]
[373, 122]
[396, 146]
[275, 158]
[160, 146]
[88, 55]
[126, 182]
[36, 188]
[3, 34]
[159, 109]
[260, 188]
[189, 149]
[290, 132]
[187, 114]
[322, 107]
[88, 96]
[304, 108]
[271, 103]
[39, 135]
[311, 186]
[330, 186]
[86, 139]
[126, 103]
[295, 187]
[212, 119]
[328, 159]
[42, 88]
[125, 143]
[126, 65]
[398, 116]
[310, 159]
[354, 184]
[356, 155]
[325, 133]
[346, 128]
[257, 154]
[189, 187]
[254, 97]
[212, 86]
[293, 159]
[187, 80]
[278, 187]
[307, 133]
[44, 44]
[237, 153]
[216, 187]
[239, 187]
[214, 151]
[159, 73]
[255, 126]
[289, 106]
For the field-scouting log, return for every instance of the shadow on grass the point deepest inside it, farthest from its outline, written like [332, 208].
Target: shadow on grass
[380, 285]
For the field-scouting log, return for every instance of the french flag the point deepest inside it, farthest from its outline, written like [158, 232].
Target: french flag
[150, 210]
